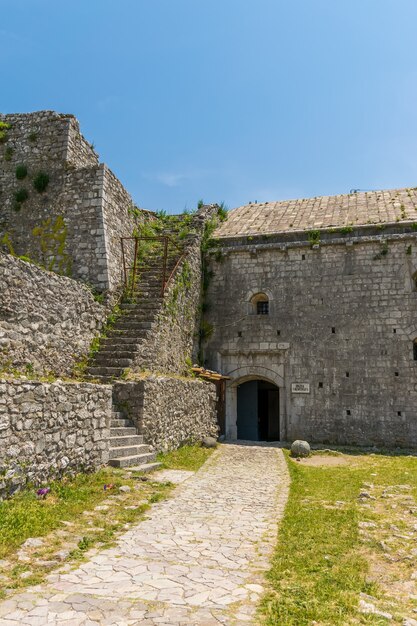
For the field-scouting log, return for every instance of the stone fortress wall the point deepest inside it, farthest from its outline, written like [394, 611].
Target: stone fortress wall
[169, 411]
[51, 429]
[342, 322]
[47, 322]
[74, 226]
[49, 318]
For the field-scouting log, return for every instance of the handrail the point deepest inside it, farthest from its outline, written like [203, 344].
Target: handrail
[166, 240]
[178, 263]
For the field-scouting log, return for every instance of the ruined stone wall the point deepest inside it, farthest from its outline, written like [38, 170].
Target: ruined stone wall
[342, 321]
[47, 322]
[74, 226]
[169, 411]
[48, 430]
[37, 141]
[79, 152]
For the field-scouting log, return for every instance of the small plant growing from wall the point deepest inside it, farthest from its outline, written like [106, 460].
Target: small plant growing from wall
[383, 252]
[20, 197]
[8, 154]
[21, 172]
[222, 212]
[6, 243]
[33, 136]
[346, 230]
[52, 237]
[206, 330]
[313, 237]
[4, 127]
[41, 181]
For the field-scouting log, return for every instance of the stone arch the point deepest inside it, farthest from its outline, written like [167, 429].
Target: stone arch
[255, 295]
[255, 290]
[244, 374]
[252, 372]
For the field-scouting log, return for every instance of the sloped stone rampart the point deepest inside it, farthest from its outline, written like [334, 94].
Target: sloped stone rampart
[168, 411]
[47, 322]
[51, 429]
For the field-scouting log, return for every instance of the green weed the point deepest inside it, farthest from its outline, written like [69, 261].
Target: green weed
[188, 457]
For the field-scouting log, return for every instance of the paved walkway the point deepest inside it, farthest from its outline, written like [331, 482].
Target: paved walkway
[198, 559]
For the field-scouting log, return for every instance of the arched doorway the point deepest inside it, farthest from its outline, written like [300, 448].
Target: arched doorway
[258, 411]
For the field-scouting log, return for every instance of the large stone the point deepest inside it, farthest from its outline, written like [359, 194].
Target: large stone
[300, 448]
[209, 442]
[33, 542]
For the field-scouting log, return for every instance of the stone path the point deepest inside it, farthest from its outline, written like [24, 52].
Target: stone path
[198, 559]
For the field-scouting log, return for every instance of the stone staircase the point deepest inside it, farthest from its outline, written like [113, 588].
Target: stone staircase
[127, 448]
[117, 351]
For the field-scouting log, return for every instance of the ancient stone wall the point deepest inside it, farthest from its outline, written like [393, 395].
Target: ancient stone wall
[169, 411]
[47, 430]
[74, 225]
[338, 339]
[79, 152]
[47, 322]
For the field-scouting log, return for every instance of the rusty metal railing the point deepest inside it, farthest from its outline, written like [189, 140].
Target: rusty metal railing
[132, 261]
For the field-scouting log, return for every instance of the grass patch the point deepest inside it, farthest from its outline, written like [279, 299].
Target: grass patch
[190, 457]
[25, 515]
[321, 563]
[69, 520]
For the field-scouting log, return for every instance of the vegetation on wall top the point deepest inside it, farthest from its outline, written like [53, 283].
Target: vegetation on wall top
[4, 127]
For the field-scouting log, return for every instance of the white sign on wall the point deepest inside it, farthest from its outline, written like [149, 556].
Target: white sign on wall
[300, 388]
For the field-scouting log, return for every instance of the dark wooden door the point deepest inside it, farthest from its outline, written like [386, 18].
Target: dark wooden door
[247, 411]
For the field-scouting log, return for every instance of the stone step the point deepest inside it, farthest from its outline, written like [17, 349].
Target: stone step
[119, 351]
[128, 441]
[120, 423]
[146, 467]
[134, 459]
[108, 372]
[138, 315]
[147, 294]
[129, 342]
[108, 359]
[122, 451]
[124, 431]
[115, 415]
[149, 286]
[143, 305]
[128, 322]
[134, 333]
[100, 380]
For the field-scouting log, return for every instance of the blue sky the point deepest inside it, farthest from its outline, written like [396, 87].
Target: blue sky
[225, 100]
